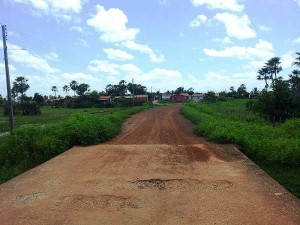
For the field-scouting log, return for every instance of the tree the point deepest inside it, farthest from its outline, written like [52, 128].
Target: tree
[73, 86]
[137, 88]
[54, 89]
[242, 91]
[110, 90]
[232, 93]
[39, 99]
[294, 81]
[274, 68]
[210, 96]
[20, 85]
[179, 90]
[66, 88]
[263, 74]
[82, 88]
[190, 91]
[122, 87]
[297, 60]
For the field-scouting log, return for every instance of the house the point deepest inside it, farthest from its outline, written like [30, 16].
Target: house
[137, 98]
[180, 98]
[197, 97]
[165, 96]
[61, 102]
[105, 99]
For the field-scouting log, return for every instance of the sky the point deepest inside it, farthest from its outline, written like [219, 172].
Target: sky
[209, 45]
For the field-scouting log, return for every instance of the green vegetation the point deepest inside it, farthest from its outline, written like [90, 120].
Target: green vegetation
[30, 145]
[276, 148]
[49, 115]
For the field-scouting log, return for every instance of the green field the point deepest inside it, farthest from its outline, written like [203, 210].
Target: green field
[49, 115]
[274, 147]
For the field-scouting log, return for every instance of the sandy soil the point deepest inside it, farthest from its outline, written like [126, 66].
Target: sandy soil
[155, 172]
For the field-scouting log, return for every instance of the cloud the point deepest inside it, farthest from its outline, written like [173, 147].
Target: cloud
[265, 28]
[297, 1]
[198, 21]
[297, 40]
[29, 60]
[231, 5]
[236, 26]
[59, 9]
[77, 28]
[117, 54]
[104, 67]
[163, 2]
[11, 67]
[153, 56]
[112, 24]
[262, 50]
[287, 60]
[130, 68]
[225, 40]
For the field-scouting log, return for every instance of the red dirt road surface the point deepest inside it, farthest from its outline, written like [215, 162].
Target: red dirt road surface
[155, 172]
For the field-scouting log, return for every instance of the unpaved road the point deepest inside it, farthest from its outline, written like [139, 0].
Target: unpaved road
[155, 172]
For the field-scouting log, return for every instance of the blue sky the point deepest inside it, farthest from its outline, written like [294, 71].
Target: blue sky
[163, 44]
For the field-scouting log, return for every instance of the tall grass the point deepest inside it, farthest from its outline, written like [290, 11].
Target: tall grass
[274, 147]
[31, 145]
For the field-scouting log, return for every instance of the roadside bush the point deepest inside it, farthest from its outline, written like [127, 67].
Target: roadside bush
[264, 142]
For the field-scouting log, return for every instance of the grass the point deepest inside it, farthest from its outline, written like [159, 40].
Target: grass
[276, 148]
[30, 145]
[49, 115]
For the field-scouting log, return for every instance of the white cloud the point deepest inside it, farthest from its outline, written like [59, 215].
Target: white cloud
[231, 5]
[287, 60]
[297, 1]
[104, 67]
[60, 9]
[198, 21]
[112, 24]
[236, 26]
[265, 28]
[79, 77]
[117, 54]
[262, 50]
[77, 28]
[297, 40]
[29, 60]
[225, 40]
[130, 68]
[153, 56]
[11, 68]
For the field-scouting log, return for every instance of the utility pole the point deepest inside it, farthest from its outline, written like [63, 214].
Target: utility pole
[132, 92]
[10, 105]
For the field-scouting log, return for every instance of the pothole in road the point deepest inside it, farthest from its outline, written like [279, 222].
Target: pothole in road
[103, 201]
[182, 184]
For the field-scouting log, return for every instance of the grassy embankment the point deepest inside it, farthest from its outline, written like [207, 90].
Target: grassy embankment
[54, 132]
[274, 147]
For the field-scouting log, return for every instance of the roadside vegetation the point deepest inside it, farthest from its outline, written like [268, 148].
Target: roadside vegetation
[265, 128]
[30, 145]
[274, 147]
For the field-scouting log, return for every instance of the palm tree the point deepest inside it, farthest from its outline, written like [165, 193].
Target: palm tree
[295, 80]
[74, 86]
[122, 87]
[66, 88]
[54, 89]
[263, 74]
[297, 62]
[274, 67]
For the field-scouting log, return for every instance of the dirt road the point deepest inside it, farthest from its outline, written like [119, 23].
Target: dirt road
[155, 172]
